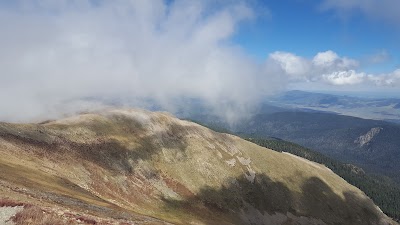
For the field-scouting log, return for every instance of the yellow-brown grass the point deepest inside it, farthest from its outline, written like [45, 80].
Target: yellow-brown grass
[120, 163]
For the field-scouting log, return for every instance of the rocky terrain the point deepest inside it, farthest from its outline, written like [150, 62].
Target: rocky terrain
[124, 166]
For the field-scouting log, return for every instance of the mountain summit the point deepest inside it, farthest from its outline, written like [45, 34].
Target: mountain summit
[126, 166]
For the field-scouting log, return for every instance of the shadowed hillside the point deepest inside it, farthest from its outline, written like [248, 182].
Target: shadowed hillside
[316, 199]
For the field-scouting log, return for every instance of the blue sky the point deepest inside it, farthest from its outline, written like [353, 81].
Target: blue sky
[303, 28]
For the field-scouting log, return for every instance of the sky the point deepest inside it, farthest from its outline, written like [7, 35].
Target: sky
[231, 54]
[366, 31]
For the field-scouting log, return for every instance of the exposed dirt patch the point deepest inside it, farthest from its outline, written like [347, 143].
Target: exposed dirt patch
[6, 214]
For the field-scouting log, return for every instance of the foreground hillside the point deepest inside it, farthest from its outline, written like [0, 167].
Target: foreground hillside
[384, 192]
[133, 166]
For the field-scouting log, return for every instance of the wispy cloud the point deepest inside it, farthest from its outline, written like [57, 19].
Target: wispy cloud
[384, 10]
[379, 57]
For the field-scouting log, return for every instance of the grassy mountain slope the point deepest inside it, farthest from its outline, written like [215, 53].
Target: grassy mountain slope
[125, 166]
[384, 192]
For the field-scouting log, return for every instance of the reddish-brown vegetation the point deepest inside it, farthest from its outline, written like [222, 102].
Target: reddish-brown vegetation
[35, 215]
[4, 202]
[177, 187]
[86, 220]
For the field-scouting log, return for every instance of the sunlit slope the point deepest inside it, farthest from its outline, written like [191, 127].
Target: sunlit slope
[129, 163]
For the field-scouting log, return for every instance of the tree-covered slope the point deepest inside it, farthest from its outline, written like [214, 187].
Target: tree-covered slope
[372, 144]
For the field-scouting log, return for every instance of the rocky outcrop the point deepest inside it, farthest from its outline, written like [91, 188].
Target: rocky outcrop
[368, 137]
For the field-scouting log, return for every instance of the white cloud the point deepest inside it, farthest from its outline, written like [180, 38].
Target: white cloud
[325, 59]
[55, 52]
[349, 77]
[389, 79]
[291, 64]
[300, 68]
[330, 60]
[328, 67]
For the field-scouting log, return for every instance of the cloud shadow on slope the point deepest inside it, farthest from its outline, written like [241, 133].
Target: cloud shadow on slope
[316, 200]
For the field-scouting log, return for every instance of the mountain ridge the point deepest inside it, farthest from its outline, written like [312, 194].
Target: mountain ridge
[137, 162]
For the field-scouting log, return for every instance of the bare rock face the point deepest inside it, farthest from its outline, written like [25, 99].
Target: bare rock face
[125, 166]
[367, 138]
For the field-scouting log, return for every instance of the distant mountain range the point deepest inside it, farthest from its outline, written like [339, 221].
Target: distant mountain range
[369, 108]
